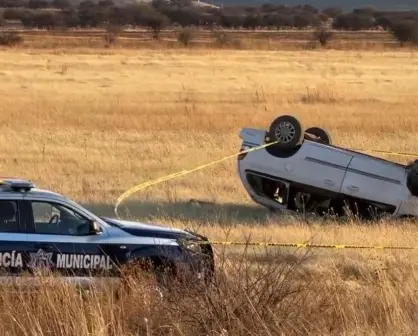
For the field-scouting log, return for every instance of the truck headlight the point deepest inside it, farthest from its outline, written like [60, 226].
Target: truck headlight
[191, 245]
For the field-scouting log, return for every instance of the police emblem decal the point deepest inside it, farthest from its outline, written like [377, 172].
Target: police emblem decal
[41, 259]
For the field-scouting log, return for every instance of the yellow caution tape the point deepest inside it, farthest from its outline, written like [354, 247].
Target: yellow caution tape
[185, 172]
[182, 173]
[384, 152]
[298, 245]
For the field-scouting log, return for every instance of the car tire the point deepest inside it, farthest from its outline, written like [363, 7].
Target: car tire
[412, 178]
[322, 135]
[287, 130]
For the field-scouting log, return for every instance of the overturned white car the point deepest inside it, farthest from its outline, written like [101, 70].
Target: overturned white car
[305, 173]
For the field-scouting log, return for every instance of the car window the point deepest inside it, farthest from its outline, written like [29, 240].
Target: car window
[51, 218]
[8, 216]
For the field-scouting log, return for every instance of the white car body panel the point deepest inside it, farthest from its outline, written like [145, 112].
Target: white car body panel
[329, 168]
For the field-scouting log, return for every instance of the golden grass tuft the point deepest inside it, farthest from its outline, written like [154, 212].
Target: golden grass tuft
[92, 124]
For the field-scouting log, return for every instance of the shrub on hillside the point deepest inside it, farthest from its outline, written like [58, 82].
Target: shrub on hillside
[332, 12]
[405, 32]
[14, 13]
[225, 40]
[353, 22]
[35, 4]
[156, 22]
[384, 22]
[322, 35]
[185, 36]
[10, 39]
[43, 20]
[112, 34]
[13, 3]
[61, 4]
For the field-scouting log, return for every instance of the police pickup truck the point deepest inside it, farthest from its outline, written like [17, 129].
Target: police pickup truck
[42, 230]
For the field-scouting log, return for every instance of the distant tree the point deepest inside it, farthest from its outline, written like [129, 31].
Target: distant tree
[353, 22]
[232, 20]
[91, 15]
[119, 15]
[106, 3]
[269, 20]
[309, 9]
[184, 16]
[61, 4]
[268, 8]
[156, 22]
[27, 20]
[384, 22]
[159, 4]
[368, 11]
[14, 13]
[13, 3]
[86, 4]
[70, 18]
[181, 3]
[332, 12]
[252, 22]
[405, 32]
[47, 20]
[301, 21]
[37, 4]
[322, 17]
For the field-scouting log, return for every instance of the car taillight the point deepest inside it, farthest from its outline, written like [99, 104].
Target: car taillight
[241, 156]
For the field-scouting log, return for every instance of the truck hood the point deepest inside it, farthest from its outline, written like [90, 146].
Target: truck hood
[148, 230]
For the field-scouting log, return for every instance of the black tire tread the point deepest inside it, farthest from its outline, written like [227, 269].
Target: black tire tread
[300, 134]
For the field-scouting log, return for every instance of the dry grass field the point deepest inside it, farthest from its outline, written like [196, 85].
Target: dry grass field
[93, 124]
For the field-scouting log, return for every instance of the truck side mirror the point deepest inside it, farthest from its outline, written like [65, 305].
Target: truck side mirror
[95, 228]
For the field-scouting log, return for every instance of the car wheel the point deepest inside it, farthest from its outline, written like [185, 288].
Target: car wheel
[287, 130]
[412, 178]
[319, 134]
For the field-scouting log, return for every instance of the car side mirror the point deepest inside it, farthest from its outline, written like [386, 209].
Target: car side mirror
[95, 228]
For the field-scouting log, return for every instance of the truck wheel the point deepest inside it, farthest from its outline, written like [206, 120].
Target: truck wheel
[287, 130]
[320, 134]
[412, 178]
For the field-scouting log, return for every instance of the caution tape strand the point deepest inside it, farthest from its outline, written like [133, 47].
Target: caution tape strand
[182, 173]
[305, 245]
[147, 184]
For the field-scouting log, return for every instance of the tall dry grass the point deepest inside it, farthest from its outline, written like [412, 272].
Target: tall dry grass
[258, 292]
[91, 125]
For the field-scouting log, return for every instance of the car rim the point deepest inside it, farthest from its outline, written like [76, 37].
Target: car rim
[285, 132]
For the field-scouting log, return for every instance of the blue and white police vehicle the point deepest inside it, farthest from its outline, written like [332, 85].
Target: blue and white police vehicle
[40, 229]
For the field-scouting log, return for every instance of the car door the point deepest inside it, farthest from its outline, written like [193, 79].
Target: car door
[319, 166]
[60, 240]
[375, 180]
[13, 239]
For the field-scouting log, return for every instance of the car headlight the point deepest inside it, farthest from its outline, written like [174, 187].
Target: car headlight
[191, 245]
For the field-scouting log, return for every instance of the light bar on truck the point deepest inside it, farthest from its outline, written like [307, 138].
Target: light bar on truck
[16, 184]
